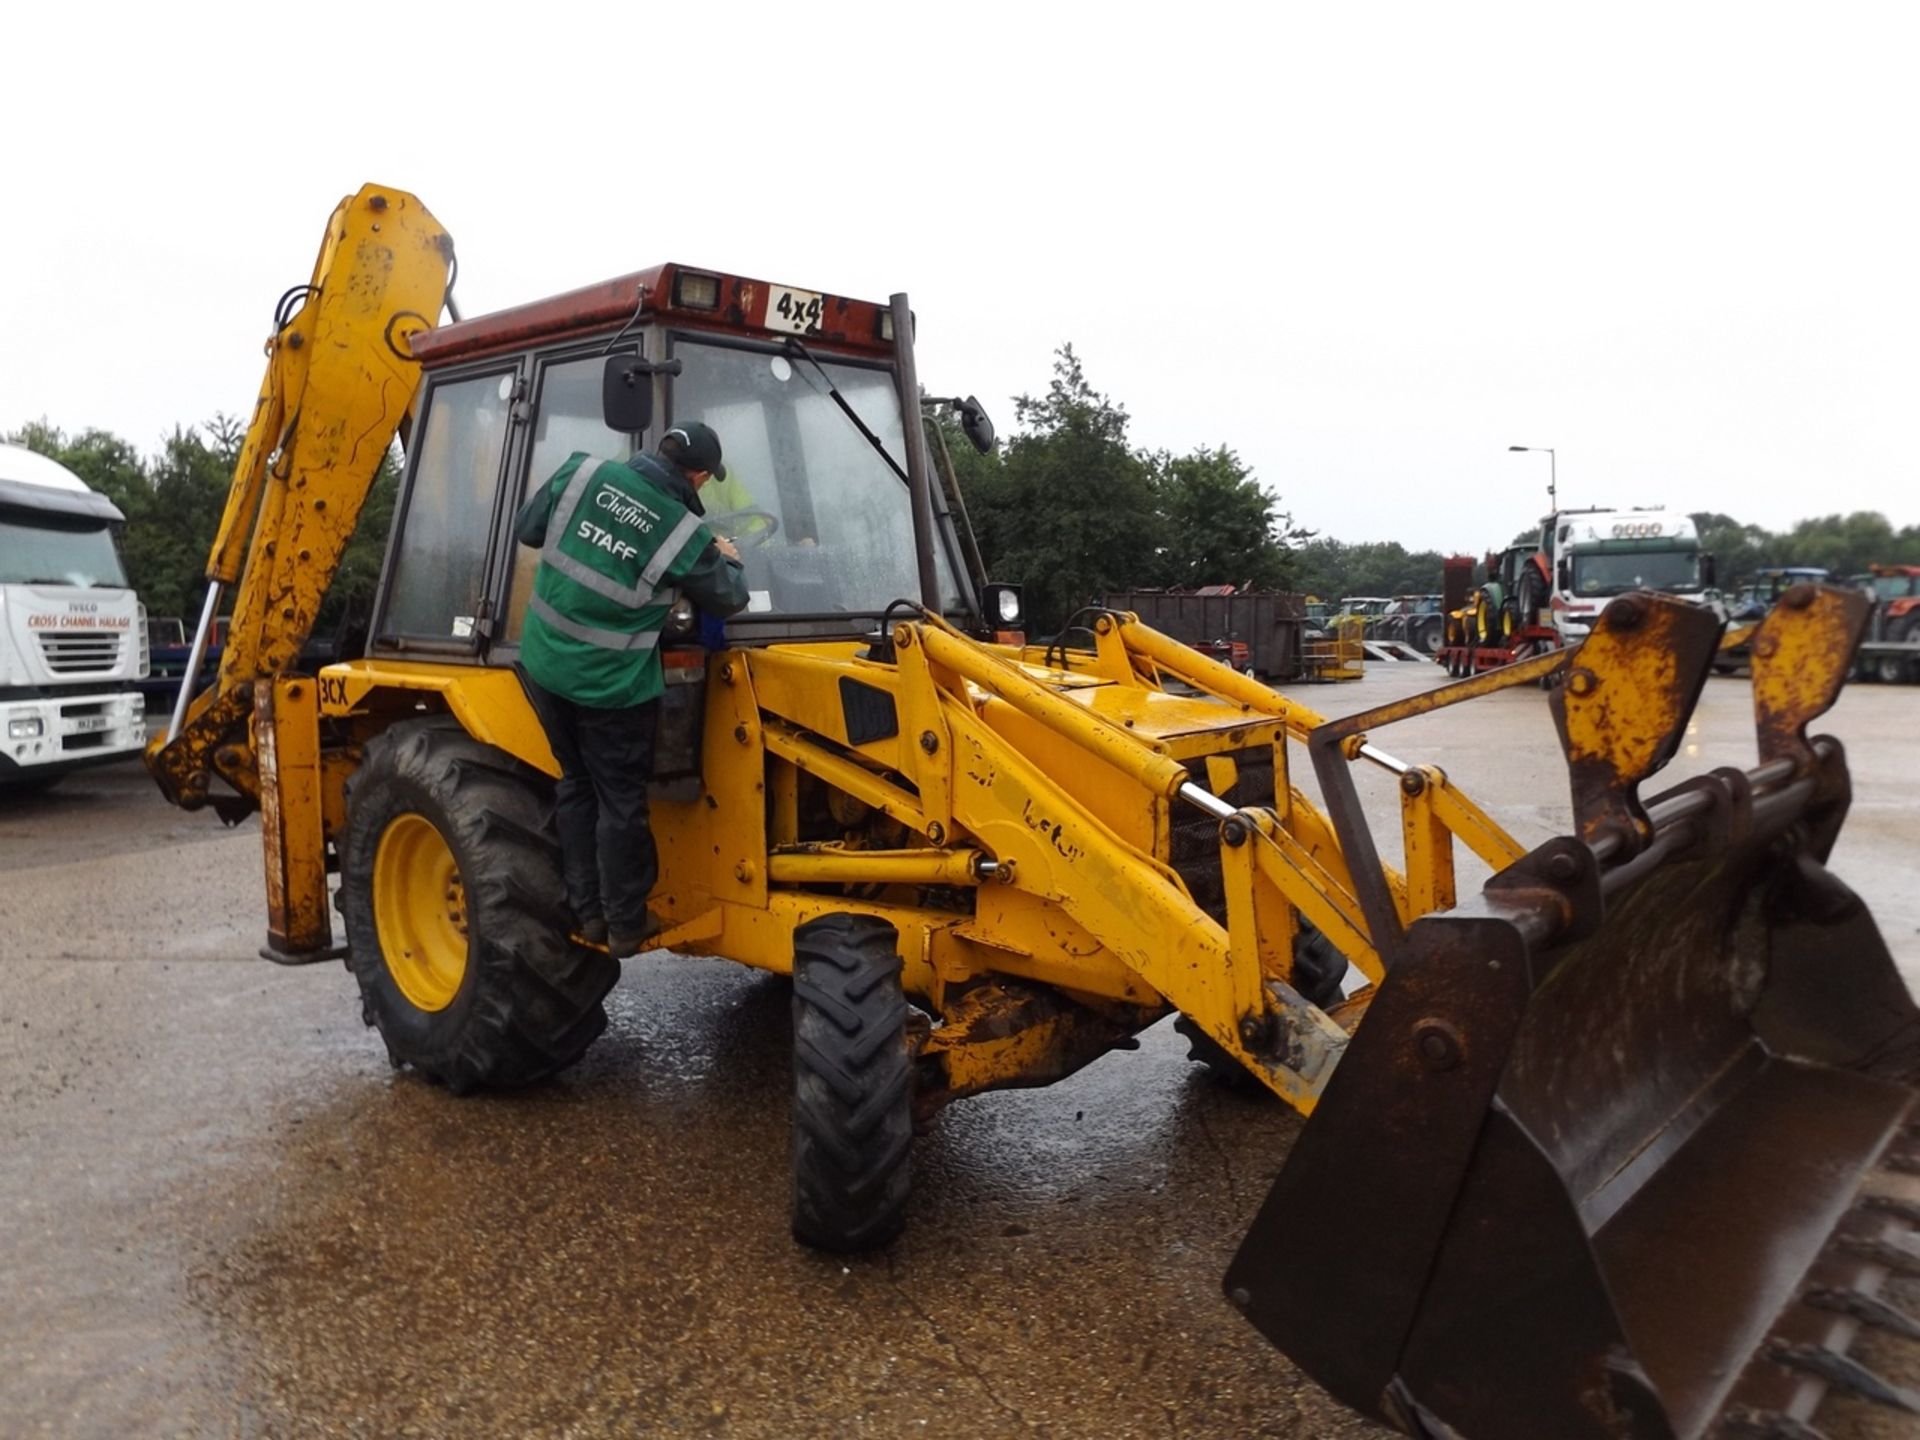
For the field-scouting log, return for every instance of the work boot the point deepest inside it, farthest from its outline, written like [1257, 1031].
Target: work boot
[593, 930]
[625, 947]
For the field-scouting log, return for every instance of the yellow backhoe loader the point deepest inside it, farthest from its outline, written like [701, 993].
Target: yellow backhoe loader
[1622, 1145]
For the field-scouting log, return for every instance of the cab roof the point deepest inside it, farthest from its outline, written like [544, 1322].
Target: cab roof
[31, 481]
[698, 299]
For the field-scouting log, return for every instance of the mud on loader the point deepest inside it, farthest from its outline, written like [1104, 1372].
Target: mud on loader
[1622, 1145]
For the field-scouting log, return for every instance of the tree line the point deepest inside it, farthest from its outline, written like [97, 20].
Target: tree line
[1842, 544]
[1070, 509]
[1066, 506]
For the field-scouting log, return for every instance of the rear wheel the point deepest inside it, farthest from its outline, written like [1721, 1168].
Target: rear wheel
[1532, 597]
[449, 886]
[852, 1096]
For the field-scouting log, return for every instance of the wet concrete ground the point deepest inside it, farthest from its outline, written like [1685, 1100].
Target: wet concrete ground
[222, 1213]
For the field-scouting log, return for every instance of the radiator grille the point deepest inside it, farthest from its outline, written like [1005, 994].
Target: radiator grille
[73, 652]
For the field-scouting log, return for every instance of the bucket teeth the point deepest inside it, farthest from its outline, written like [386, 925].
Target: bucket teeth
[1868, 1309]
[1900, 1253]
[1896, 1205]
[1847, 1374]
[1745, 1424]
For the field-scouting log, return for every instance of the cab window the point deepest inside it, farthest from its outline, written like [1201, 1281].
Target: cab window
[439, 570]
[823, 523]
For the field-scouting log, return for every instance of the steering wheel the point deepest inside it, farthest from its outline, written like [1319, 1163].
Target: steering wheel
[752, 539]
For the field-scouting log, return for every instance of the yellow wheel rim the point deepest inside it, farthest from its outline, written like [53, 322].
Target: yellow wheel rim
[420, 912]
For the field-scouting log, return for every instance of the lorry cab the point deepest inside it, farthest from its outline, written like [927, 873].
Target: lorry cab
[73, 641]
[1600, 554]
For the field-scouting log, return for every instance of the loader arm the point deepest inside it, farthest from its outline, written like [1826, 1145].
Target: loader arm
[340, 381]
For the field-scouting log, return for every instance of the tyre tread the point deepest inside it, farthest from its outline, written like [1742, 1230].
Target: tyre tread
[852, 1098]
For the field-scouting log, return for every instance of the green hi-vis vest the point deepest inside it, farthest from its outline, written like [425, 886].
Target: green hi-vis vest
[615, 547]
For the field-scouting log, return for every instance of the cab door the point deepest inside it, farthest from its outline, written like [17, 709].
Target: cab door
[435, 598]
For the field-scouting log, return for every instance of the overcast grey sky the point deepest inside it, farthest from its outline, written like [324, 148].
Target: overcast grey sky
[1368, 247]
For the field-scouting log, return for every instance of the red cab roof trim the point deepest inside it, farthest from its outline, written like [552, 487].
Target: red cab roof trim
[743, 309]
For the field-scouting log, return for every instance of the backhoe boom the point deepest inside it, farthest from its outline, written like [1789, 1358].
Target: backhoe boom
[340, 379]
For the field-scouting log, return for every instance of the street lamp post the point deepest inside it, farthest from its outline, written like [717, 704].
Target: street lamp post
[1552, 476]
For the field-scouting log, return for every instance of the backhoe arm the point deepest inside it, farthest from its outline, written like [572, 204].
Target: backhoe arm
[340, 379]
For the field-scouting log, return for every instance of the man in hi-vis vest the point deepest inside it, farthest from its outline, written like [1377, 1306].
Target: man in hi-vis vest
[620, 542]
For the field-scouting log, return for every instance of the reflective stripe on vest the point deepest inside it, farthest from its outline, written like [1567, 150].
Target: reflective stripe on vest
[621, 640]
[670, 549]
[642, 592]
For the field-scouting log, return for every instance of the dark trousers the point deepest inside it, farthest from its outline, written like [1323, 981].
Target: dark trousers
[606, 759]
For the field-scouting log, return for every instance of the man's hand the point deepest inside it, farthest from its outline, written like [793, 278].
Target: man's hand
[726, 547]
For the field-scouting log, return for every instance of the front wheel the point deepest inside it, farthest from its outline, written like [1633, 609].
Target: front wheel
[1319, 974]
[852, 1095]
[449, 886]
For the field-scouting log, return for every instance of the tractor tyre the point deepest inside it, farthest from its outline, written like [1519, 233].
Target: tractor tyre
[450, 886]
[1319, 973]
[1427, 636]
[852, 1094]
[1897, 669]
[1531, 598]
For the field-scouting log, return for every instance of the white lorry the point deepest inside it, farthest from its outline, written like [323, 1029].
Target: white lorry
[1598, 554]
[73, 636]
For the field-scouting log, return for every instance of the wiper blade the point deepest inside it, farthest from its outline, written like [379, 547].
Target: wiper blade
[794, 345]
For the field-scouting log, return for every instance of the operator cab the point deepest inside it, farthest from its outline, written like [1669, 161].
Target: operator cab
[824, 522]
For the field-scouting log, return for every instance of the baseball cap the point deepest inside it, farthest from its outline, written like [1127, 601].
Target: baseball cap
[698, 448]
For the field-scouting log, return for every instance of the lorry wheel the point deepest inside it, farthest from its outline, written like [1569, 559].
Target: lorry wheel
[852, 1101]
[1319, 970]
[450, 886]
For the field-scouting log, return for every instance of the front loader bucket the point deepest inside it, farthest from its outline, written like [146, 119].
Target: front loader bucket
[1629, 1144]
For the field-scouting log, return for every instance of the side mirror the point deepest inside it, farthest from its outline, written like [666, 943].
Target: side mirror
[626, 394]
[978, 428]
[1706, 571]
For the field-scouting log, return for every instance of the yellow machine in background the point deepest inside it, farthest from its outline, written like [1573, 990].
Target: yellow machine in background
[986, 865]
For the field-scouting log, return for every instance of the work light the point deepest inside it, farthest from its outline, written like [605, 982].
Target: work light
[693, 291]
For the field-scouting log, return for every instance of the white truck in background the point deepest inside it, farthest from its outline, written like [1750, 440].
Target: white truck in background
[1599, 554]
[73, 636]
